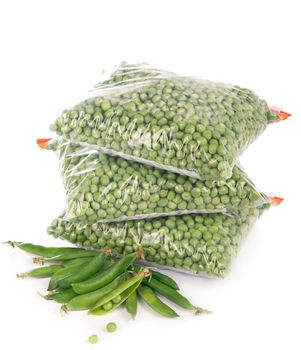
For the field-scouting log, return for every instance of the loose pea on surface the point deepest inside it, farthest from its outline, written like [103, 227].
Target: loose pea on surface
[111, 327]
[93, 339]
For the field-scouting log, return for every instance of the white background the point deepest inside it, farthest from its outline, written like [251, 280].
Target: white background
[52, 52]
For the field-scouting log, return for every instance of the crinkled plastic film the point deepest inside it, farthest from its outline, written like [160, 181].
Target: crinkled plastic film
[194, 127]
[102, 188]
[200, 244]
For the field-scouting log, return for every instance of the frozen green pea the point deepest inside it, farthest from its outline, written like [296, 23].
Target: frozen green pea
[169, 129]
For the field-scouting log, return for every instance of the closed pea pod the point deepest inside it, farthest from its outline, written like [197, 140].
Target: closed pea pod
[172, 295]
[63, 273]
[131, 304]
[165, 279]
[106, 277]
[61, 296]
[152, 300]
[84, 272]
[76, 261]
[40, 250]
[69, 256]
[88, 300]
[41, 272]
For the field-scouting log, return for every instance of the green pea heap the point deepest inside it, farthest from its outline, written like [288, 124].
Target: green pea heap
[101, 188]
[95, 281]
[194, 127]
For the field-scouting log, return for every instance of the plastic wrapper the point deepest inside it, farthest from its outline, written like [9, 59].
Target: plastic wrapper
[101, 188]
[201, 244]
[194, 127]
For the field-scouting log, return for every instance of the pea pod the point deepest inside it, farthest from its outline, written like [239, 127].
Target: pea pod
[169, 293]
[123, 297]
[40, 250]
[63, 273]
[68, 256]
[76, 261]
[152, 300]
[165, 279]
[84, 272]
[120, 288]
[106, 277]
[88, 300]
[131, 304]
[62, 296]
[41, 272]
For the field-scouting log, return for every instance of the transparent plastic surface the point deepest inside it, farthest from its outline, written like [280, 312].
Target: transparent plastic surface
[182, 124]
[200, 244]
[102, 188]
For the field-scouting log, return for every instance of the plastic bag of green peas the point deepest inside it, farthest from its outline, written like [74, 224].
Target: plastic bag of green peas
[185, 125]
[201, 244]
[102, 188]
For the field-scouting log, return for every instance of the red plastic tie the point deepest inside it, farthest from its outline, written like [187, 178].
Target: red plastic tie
[42, 143]
[282, 115]
[275, 200]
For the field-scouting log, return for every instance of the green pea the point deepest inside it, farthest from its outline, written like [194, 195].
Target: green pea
[93, 339]
[111, 327]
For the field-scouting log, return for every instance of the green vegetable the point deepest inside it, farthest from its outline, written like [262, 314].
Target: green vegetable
[190, 126]
[109, 306]
[88, 300]
[103, 188]
[61, 296]
[131, 304]
[169, 293]
[81, 253]
[93, 339]
[119, 290]
[111, 327]
[202, 244]
[165, 279]
[85, 271]
[105, 277]
[40, 250]
[63, 273]
[41, 272]
[155, 303]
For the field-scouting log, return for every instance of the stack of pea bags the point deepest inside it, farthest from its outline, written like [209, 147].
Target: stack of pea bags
[149, 164]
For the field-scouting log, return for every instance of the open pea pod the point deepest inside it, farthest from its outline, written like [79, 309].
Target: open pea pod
[122, 292]
[124, 295]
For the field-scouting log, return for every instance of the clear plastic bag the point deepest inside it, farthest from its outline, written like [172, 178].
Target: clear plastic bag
[194, 127]
[201, 244]
[101, 188]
